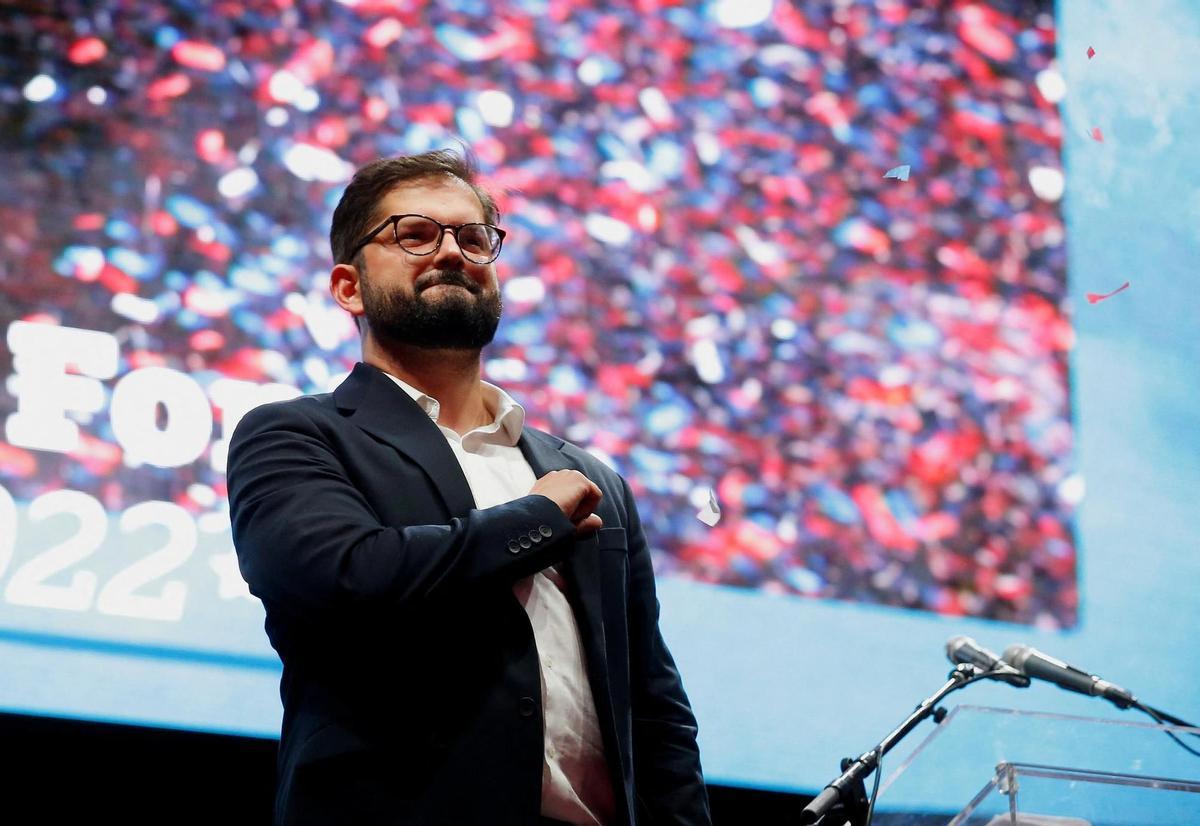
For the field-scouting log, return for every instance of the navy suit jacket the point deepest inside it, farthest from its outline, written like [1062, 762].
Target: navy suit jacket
[411, 687]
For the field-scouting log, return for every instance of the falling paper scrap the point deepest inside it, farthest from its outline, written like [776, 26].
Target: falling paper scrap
[1097, 135]
[1091, 52]
[710, 514]
[1096, 298]
[231, 584]
[900, 172]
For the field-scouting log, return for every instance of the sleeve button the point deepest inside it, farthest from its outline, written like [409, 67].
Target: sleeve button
[514, 546]
[525, 543]
[545, 531]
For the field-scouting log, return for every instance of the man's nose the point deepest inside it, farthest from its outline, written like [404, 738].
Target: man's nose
[449, 246]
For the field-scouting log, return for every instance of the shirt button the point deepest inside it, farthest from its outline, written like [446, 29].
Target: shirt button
[545, 531]
[525, 543]
[549, 662]
[551, 752]
[526, 706]
[514, 546]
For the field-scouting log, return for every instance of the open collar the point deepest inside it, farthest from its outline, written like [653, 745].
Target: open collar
[373, 401]
[508, 416]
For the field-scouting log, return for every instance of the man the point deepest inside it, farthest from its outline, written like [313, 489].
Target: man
[464, 606]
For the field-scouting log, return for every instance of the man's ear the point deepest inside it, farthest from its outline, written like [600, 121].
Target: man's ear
[346, 288]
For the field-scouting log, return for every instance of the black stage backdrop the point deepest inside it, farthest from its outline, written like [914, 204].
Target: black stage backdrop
[60, 771]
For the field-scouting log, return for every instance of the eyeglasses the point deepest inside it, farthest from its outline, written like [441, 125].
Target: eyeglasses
[420, 235]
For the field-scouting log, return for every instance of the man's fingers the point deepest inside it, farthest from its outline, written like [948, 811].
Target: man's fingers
[571, 490]
[591, 493]
[588, 525]
[589, 502]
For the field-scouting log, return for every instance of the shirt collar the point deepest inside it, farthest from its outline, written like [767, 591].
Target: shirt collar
[506, 425]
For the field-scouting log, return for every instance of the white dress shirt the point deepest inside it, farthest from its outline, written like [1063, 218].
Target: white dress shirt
[576, 785]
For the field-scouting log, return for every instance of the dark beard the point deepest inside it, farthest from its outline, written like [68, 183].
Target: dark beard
[454, 321]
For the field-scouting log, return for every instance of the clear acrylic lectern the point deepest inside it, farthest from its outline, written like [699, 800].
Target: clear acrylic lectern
[991, 766]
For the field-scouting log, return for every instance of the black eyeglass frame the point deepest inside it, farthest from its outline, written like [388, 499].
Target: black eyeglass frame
[394, 220]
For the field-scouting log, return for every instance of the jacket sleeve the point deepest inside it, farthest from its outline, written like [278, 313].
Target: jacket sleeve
[667, 776]
[308, 542]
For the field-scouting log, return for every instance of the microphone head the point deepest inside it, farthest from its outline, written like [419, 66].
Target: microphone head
[965, 650]
[1016, 655]
[955, 643]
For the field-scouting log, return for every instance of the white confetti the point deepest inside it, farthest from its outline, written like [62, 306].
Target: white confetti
[710, 514]
[496, 107]
[230, 583]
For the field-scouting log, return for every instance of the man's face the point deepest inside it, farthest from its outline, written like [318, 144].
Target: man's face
[437, 301]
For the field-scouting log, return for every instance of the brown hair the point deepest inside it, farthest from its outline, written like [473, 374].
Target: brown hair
[355, 214]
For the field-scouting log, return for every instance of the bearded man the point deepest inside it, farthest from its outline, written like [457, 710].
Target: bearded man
[464, 606]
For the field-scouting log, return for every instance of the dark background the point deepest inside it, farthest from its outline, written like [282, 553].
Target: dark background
[72, 771]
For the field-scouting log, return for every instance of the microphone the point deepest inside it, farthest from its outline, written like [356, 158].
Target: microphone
[1033, 663]
[963, 649]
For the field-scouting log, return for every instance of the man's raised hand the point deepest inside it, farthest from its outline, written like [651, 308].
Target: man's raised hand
[575, 494]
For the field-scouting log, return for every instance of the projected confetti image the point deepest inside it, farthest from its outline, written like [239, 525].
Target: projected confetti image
[808, 258]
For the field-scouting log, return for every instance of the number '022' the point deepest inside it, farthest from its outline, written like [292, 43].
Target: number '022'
[119, 596]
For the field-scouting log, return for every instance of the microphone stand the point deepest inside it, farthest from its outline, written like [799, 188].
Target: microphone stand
[848, 790]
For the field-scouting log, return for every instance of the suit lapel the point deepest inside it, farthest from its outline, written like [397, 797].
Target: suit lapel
[582, 570]
[376, 404]
[379, 406]
[582, 565]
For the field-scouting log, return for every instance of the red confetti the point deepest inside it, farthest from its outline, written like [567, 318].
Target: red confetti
[88, 220]
[375, 109]
[984, 29]
[117, 280]
[17, 462]
[163, 223]
[247, 363]
[210, 145]
[146, 358]
[203, 340]
[331, 132]
[1013, 588]
[1095, 298]
[89, 270]
[41, 318]
[1091, 52]
[937, 526]
[1097, 135]
[311, 62]
[881, 522]
[211, 249]
[384, 33]
[86, 50]
[198, 55]
[283, 319]
[829, 109]
[171, 86]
